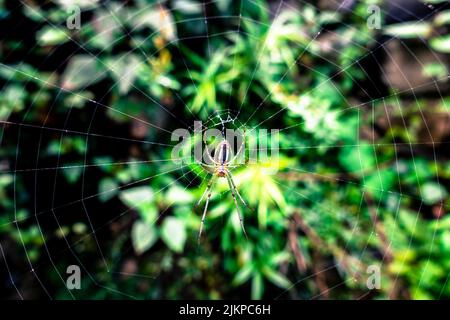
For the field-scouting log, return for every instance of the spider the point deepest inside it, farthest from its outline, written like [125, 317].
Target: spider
[222, 162]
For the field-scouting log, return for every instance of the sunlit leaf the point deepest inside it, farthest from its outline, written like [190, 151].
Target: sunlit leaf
[124, 69]
[357, 159]
[107, 189]
[187, 6]
[441, 44]
[49, 36]
[409, 30]
[435, 70]
[243, 275]
[85, 4]
[82, 71]
[143, 236]
[276, 278]
[173, 233]
[257, 286]
[433, 192]
[179, 195]
[442, 18]
[136, 196]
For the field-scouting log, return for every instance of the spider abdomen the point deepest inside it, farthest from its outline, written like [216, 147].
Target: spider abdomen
[221, 158]
[222, 153]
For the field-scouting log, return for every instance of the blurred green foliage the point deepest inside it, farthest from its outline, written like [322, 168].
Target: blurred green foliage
[344, 196]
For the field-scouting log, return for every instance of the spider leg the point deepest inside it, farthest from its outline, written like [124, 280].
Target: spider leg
[206, 191]
[233, 191]
[237, 191]
[209, 193]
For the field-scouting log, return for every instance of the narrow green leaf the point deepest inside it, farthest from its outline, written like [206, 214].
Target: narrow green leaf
[257, 287]
[243, 275]
[276, 278]
[50, 36]
[441, 44]
[409, 30]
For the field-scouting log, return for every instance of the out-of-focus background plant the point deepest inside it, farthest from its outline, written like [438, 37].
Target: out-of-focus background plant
[86, 176]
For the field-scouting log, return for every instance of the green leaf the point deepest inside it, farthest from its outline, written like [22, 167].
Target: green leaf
[173, 233]
[442, 18]
[107, 27]
[187, 6]
[79, 228]
[156, 17]
[409, 30]
[34, 13]
[379, 182]
[83, 4]
[243, 275]
[445, 241]
[107, 189]
[73, 173]
[262, 214]
[81, 72]
[275, 193]
[136, 197]
[257, 287]
[50, 36]
[357, 159]
[419, 294]
[411, 223]
[149, 212]
[143, 236]
[433, 193]
[433, 1]
[276, 278]
[435, 70]
[179, 195]
[79, 99]
[124, 70]
[441, 44]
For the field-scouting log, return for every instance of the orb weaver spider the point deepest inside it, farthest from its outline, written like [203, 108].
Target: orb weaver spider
[222, 162]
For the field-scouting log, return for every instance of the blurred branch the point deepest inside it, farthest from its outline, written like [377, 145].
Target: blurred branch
[293, 244]
[346, 261]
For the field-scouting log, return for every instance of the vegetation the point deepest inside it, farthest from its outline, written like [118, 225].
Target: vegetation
[87, 178]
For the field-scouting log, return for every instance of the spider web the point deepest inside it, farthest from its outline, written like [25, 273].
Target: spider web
[189, 177]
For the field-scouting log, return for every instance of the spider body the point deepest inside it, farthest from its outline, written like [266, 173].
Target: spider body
[219, 167]
[221, 157]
